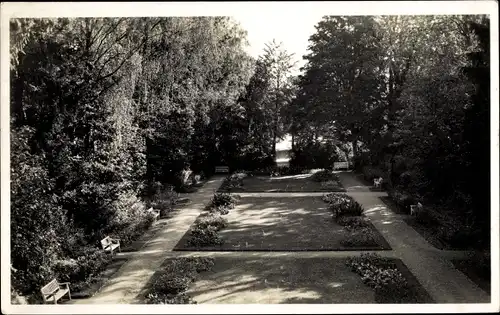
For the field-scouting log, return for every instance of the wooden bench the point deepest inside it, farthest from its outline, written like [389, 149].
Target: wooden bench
[222, 169]
[110, 244]
[54, 291]
[340, 165]
[377, 182]
[415, 209]
[155, 213]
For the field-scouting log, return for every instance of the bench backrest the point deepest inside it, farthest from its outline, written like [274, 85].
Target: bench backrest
[50, 288]
[337, 165]
[105, 242]
[222, 169]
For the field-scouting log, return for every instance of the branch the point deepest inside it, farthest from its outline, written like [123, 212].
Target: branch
[111, 46]
[108, 33]
[130, 54]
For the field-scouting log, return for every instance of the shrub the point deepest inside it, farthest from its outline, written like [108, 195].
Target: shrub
[203, 263]
[168, 285]
[164, 199]
[360, 237]
[342, 204]
[212, 219]
[402, 199]
[371, 172]
[89, 262]
[219, 210]
[204, 237]
[223, 200]
[352, 222]
[324, 175]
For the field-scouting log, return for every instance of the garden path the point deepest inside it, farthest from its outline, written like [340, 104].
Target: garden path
[131, 278]
[430, 266]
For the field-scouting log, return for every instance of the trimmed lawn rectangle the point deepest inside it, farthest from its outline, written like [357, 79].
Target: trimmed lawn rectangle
[282, 224]
[290, 280]
[293, 183]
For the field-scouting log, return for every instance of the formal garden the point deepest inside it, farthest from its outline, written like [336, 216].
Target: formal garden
[121, 141]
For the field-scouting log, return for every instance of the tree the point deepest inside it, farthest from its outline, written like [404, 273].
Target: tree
[279, 64]
[342, 81]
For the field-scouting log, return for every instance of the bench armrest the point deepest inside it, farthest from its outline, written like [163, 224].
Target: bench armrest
[115, 240]
[65, 283]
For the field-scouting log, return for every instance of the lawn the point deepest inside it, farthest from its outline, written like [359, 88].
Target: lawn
[290, 280]
[282, 224]
[292, 183]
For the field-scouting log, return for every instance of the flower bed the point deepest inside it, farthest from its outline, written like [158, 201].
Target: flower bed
[392, 282]
[168, 286]
[205, 230]
[347, 212]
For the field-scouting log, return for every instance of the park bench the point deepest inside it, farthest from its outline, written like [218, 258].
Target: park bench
[54, 291]
[377, 182]
[415, 209]
[197, 179]
[155, 213]
[110, 244]
[222, 169]
[340, 165]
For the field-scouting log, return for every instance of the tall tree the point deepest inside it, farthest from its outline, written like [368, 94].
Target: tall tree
[279, 65]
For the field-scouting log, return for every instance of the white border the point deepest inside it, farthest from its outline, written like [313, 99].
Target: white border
[129, 9]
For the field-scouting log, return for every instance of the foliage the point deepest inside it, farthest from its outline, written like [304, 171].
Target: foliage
[212, 219]
[102, 108]
[168, 286]
[370, 173]
[233, 182]
[204, 236]
[343, 205]
[324, 175]
[360, 237]
[86, 264]
[408, 98]
[353, 223]
[223, 200]
[310, 154]
[378, 276]
[377, 273]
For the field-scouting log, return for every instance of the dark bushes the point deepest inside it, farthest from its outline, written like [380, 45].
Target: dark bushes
[314, 155]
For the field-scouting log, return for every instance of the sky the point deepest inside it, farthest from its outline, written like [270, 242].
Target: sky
[291, 28]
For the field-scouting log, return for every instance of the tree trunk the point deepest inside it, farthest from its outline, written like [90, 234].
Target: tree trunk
[354, 151]
[274, 144]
